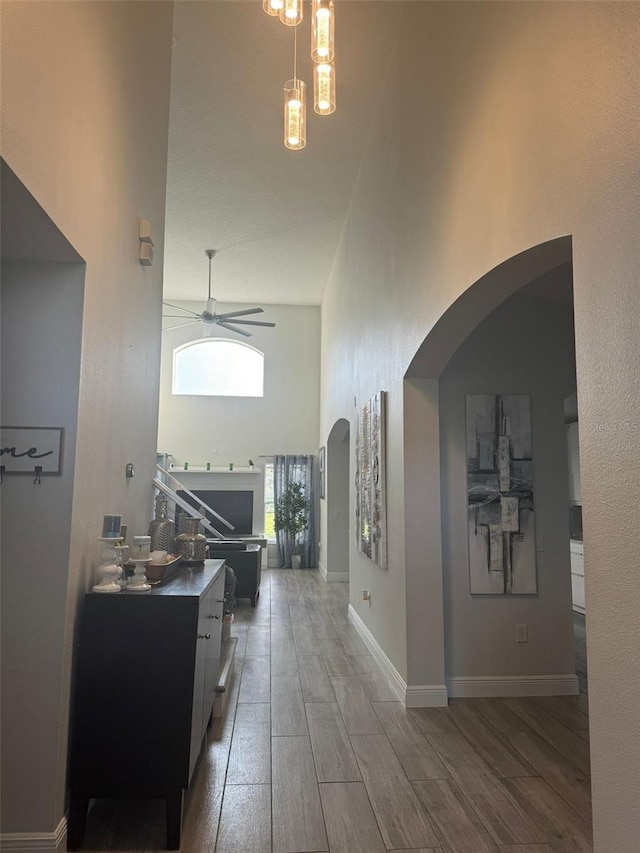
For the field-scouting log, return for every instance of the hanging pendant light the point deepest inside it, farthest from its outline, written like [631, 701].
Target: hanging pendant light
[322, 29]
[295, 108]
[324, 89]
[295, 130]
[272, 7]
[291, 12]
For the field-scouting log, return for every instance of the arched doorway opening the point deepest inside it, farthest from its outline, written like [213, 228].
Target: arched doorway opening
[462, 650]
[338, 480]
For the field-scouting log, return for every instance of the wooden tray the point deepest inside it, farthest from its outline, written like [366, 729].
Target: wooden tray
[158, 572]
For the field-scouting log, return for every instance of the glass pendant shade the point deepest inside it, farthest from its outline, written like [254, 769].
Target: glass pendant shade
[295, 130]
[291, 12]
[324, 89]
[322, 27]
[272, 7]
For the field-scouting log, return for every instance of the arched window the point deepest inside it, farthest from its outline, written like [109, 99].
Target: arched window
[218, 367]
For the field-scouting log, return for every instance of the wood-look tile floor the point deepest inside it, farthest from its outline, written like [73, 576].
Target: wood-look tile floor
[315, 753]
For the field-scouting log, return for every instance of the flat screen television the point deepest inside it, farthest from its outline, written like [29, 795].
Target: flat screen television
[235, 506]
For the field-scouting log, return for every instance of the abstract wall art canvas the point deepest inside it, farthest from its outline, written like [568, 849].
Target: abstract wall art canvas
[371, 515]
[502, 552]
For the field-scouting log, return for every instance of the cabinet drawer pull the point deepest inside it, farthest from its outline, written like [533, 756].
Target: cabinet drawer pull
[204, 636]
[217, 616]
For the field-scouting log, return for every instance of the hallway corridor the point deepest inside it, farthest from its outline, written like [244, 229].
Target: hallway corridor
[316, 753]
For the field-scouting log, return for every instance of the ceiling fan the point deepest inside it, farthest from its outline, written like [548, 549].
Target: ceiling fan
[229, 320]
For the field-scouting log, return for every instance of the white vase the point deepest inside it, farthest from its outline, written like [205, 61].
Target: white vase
[295, 561]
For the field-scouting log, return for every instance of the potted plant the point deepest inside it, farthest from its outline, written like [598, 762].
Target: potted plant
[291, 517]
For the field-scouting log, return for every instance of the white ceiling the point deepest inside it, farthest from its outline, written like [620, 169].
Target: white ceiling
[274, 215]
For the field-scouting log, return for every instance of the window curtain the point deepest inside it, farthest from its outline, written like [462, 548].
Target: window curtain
[296, 469]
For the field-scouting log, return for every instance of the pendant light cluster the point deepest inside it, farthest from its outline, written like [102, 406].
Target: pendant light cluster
[290, 13]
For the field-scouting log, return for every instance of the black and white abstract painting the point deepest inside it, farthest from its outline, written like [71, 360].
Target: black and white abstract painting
[371, 516]
[502, 548]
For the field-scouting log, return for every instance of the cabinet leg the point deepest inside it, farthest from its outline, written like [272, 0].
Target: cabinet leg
[77, 820]
[174, 820]
[253, 601]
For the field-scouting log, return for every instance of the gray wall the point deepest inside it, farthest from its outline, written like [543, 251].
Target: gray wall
[526, 346]
[41, 335]
[334, 557]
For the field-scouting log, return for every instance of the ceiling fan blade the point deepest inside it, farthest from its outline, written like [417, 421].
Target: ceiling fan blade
[196, 317]
[234, 329]
[251, 323]
[178, 308]
[180, 325]
[231, 314]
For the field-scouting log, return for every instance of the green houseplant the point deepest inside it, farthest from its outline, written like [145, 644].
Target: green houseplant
[291, 517]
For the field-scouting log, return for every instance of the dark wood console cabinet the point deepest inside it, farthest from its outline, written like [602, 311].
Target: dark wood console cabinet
[147, 672]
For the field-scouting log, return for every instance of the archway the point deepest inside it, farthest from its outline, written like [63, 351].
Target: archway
[425, 506]
[337, 491]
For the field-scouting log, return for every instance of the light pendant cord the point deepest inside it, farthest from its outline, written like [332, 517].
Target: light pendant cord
[295, 54]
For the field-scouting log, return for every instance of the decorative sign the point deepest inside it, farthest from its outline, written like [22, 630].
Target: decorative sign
[23, 449]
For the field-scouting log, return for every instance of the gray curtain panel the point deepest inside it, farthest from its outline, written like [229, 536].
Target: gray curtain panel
[297, 469]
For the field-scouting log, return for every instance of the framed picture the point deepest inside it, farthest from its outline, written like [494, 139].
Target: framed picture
[321, 468]
[371, 498]
[22, 449]
[502, 553]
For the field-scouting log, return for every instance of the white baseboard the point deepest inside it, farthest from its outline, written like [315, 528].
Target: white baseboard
[35, 842]
[337, 577]
[426, 696]
[398, 684]
[423, 696]
[332, 577]
[513, 685]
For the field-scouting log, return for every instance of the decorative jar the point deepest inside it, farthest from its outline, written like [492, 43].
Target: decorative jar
[192, 544]
[161, 529]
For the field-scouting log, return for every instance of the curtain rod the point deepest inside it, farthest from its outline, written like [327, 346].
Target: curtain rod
[271, 455]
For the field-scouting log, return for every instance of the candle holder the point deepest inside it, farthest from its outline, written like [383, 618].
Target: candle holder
[108, 571]
[120, 549]
[138, 582]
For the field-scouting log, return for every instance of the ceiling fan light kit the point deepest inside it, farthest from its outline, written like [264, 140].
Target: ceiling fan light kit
[290, 13]
[210, 318]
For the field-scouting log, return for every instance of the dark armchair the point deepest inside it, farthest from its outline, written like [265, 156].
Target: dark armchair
[245, 560]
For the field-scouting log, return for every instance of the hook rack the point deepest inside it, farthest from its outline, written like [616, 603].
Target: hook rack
[37, 480]
[2, 470]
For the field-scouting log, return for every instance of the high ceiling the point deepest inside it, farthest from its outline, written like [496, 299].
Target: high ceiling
[274, 215]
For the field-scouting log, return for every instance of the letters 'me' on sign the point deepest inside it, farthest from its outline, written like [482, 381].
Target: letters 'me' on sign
[24, 448]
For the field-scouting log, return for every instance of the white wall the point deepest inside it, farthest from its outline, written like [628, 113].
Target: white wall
[525, 346]
[284, 420]
[85, 90]
[503, 126]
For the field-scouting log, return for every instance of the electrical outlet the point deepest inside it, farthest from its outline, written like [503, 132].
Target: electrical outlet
[366, 596]
[522, 633]
[540, 542]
